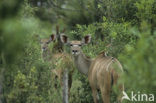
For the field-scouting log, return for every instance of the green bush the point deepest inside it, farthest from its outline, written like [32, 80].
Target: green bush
[139, 61]
[123, 29]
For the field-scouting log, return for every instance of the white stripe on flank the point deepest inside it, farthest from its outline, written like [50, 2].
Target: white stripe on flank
[109, 65]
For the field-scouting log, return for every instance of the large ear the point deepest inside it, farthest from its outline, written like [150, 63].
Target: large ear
[52, 37]
[64, 39]
[86, 39]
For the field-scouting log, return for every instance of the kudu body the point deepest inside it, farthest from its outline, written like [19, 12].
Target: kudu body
[49, 56]
[62, 61]
[101, 71]
[59, 59]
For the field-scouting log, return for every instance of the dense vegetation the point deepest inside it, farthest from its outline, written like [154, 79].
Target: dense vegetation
[125, 29]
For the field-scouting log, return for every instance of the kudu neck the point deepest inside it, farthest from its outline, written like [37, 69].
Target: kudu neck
[82, 63]
[46, 55]
[58, 46]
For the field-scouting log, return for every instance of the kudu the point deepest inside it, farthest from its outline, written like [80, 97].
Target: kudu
[101, 71]
[59, 59]
[45, 51]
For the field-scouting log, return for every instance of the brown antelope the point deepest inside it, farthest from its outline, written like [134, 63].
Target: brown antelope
[101, 71]
[45, 49]
[59, 59]
[46, 55]
[55, 57]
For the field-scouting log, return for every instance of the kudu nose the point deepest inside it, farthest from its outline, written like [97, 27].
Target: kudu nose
[74, 51]
[43, 48]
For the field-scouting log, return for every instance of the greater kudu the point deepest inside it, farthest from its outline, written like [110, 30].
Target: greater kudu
[59, 59]
[101, 71]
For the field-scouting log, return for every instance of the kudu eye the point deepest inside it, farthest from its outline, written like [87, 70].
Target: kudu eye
[71, 44]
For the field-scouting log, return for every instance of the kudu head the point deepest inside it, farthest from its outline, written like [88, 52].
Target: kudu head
[75, 45]
[58, 46]
[44, 42]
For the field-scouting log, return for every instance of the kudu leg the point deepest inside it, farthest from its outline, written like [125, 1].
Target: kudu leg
[121, 89]
[94, 93]
[69, 83]
[105, 93]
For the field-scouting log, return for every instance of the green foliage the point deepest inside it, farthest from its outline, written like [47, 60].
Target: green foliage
[9, 9]
[125, 29]
[10, 39]
[140, 63]
[145, 9]
[114, 37]
[27, 78]
[80, 91]
[30, 79]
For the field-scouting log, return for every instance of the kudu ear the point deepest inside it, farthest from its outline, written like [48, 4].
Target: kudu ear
[64, 39]
[86, 39]
[52, 37]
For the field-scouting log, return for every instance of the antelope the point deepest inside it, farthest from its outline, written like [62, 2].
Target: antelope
[45, 51]
[101, 71]
[46, 55]
[57, 57]
[54, 57]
